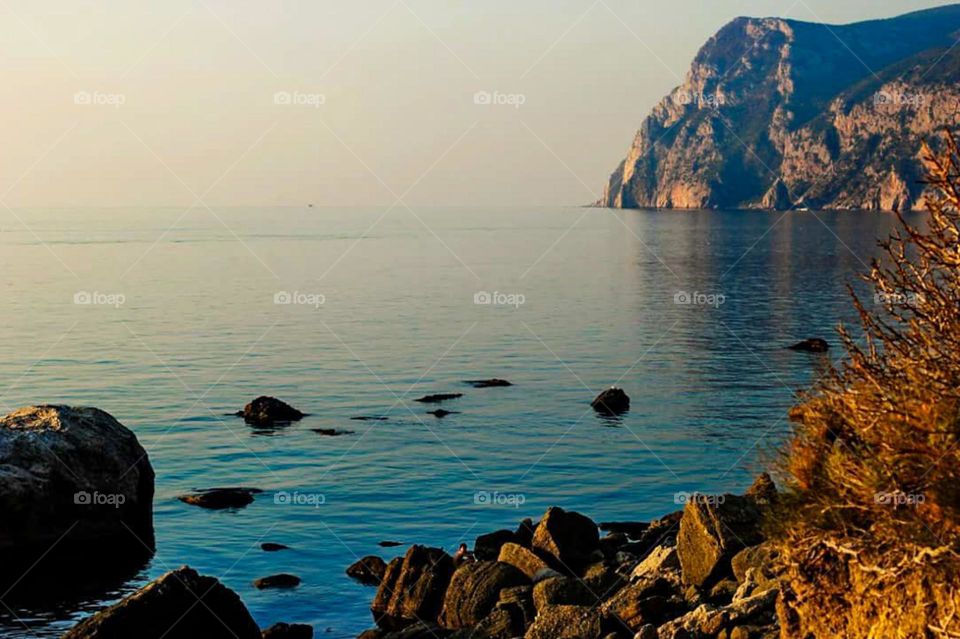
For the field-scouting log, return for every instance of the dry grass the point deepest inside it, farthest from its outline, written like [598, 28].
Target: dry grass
[870, 528]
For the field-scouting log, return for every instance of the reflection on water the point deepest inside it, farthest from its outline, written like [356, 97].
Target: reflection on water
[604, 302]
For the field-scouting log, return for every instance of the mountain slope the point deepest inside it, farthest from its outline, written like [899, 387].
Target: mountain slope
[780, 113]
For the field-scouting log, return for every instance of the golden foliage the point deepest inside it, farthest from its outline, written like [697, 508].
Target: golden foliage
[870, 526]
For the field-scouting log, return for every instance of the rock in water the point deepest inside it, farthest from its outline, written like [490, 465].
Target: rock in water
[811, 345]
[712, 531]
[179, 605]
[439, 397]
[369, 571]
[282, 580]
[288, 631]
[474, 590]
[568, 537]
[612, 401]
[220, 498]
[413, 588]
[72, 469]
[269, 546]
[488, 383]
[266, 411]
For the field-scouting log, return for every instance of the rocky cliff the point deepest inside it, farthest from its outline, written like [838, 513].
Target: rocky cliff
[779, 114]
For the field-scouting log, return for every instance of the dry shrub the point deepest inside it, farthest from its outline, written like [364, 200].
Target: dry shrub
[870, 526]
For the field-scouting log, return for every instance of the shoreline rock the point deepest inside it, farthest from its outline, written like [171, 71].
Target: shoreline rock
[221, 498]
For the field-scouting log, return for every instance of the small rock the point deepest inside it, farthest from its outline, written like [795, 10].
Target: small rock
[632, 529]
[439, 397]
[282, 580]
[811, 345]
[331, 432]
[612, 401]
[488, 383]
[661, 560]
[220, 498]
[368, 570]
[522, 559]
[389, 544]
[440, 413]
[272, 547]
[288, 631]
[723, 591]
[179, 605]
[265, 411]
[367, 418]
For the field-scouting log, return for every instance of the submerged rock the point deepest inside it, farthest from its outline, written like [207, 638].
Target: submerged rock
[179, 605]
[272, 547]
[266, 411]
[811, 345]
[389, 544]
[282, 580]
[221, 498]
[413, 588]
[439, 397]
[613, 401]
[331, 432]
[369, 570]
[488, 383]
[441, 413]
[72, 475]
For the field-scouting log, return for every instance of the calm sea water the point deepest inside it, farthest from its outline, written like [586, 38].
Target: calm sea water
[198, 334]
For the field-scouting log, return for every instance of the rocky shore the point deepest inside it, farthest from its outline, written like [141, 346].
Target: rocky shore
[701, 573]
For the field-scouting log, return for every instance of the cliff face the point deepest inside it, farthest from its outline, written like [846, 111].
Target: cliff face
[777, 114]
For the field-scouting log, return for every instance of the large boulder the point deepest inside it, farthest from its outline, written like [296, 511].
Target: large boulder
[647, 601]
[712, 531]
[524, 560]
[72, 474]
[568, 537]
[413, 588]
[179, 605]
[474, 590]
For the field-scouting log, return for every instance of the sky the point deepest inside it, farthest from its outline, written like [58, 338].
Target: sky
[350, 103]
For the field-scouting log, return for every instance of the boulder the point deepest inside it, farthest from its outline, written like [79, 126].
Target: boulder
[503, 622]
[522, 559]
[288, 631]
[811, 345]
[651, 601]
[661, 560]
[487, 547]
[369, 570]
[525, 532]
[762, 558]
[221, 498]
[413, 588]
[179, 605]
[561, 591]
[602, 579]
[567, 622]
[520, 598]
[612, 401]
[281, 580]
[419, 630]
[474, 590]
[72, 475]
[568, 537]
[712, 531]
[266, 411]
[632, 529]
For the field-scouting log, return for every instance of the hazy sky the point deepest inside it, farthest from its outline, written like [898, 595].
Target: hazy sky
[129, 102]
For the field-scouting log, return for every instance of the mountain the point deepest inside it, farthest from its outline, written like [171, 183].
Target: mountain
[779, 114]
